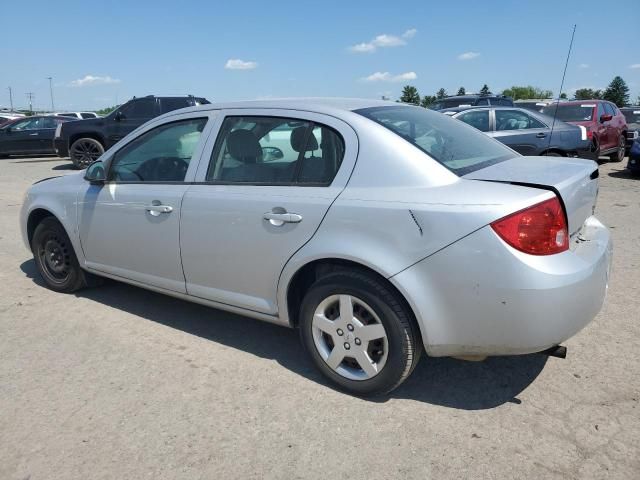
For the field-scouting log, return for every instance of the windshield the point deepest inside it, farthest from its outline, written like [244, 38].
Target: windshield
[454, 144]
[450, 103]
[571, 113]
[632, 116]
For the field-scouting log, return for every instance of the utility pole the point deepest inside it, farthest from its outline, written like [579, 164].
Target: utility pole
[53, 109]
[30, 96]
[10, 98]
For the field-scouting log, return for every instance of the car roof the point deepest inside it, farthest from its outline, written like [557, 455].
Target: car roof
[310, 104]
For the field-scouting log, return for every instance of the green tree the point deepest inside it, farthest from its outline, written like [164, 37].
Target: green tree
[461, 91]
[587, 94]
[563, 96]
[427, 100]
[442, 93]
[617, 92]
[485, 90]
[526, 92]
[106, 110]
[410, 95]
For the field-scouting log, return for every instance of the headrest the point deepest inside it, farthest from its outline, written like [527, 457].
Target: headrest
[297, 139]
[244, 146]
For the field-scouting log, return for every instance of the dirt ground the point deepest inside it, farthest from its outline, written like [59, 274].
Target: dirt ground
[121, 383]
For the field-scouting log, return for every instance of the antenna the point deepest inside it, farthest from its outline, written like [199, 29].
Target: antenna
[566, 64]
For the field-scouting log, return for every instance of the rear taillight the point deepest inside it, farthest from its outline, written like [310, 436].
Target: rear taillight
[537, 230]
[589, 134]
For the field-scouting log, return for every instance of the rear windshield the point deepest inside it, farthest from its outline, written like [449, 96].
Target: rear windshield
[451, 103]
[571, 113]
[632, 116]
[456, 145]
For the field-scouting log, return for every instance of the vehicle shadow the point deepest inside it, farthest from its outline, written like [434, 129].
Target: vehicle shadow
[438, 381]
[624, 174]
[66, 166]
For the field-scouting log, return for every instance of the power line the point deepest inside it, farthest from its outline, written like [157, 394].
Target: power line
[30, 96]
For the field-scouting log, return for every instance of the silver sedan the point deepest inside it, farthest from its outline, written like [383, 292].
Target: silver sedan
[379, 230]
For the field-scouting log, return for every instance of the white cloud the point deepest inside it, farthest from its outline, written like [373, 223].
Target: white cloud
[387, 77]
[635, 65]
[90, 80]
[383, 41]
[237, 64]
[468, 55]
[583, 65]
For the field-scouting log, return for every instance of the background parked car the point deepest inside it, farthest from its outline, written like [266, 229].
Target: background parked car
[7, 116]
[634, 158]
[77, 115]
[471, 101]
[527, 132]
[533, 104]
[29, 135]
[84, 141]
[632, 114]
[605, 124]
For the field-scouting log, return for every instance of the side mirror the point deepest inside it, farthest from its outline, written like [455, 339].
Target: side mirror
[119, 116]
[96, 174]
[605, 118]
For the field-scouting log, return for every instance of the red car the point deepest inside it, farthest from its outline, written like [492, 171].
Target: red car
[605, 124]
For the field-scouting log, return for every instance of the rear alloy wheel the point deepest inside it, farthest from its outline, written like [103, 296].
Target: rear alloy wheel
[358, 333]
[618, 156]
[85, 151]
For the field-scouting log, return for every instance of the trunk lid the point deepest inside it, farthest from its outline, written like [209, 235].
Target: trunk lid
[574, 180]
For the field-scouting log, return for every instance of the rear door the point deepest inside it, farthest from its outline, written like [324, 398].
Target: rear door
[520, 131]
[268, 184]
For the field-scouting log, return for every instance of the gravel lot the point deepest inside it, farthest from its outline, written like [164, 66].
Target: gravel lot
[121, 383]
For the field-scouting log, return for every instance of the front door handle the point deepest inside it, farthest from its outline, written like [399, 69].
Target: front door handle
[279, 219]
[541, 135]
[156, 210]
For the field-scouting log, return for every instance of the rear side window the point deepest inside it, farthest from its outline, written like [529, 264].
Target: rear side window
[141, 108]
[88, 115]
[450, 142]
[170, 104]
[478, 119]
[275, 151]
[159, 155]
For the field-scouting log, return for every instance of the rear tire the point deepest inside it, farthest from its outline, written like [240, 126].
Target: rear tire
[55, 258]
[85, 151]
[349, 319]
[618, 156]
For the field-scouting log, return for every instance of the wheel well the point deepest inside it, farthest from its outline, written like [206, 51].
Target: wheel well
[35, 217]
[554, 150]
[93, 135]
[309, 273]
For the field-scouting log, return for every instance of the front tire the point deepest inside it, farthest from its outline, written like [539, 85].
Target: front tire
[55, 258]
[359, 333]
[618, 156]
[85, 151]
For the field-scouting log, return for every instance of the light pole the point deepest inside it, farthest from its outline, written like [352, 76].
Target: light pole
[51, 93]
[10, 98]
[30, 96]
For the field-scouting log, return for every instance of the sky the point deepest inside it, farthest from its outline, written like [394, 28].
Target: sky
[102, 53]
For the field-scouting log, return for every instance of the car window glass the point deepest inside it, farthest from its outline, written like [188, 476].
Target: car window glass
[50, 122]
[141, 108]
[169, 104]
[273, 151]
[159, 155]
[600, 110]
[28, 124]
[478, 119]
[515, 120]
[88, 115]
[482, 101]
[608, 109]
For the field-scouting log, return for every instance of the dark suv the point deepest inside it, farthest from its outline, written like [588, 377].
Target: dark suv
[85, 140]
[632, 114]
[471, 101]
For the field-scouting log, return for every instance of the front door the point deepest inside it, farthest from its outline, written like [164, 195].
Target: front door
[23, 137]
[521, 131]
[130, 226]
[268, 185]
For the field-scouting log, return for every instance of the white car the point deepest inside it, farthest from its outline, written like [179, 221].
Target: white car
[377, 229]
[78, 115]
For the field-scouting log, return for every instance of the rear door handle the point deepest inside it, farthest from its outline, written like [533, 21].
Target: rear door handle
[541, 135]
[156, 210]
[279, 219]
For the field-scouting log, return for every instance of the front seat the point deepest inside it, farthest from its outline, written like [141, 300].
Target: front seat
[244, 148]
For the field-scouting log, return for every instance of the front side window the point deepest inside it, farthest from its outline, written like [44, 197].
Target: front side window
[451, 143]
[159, 155]
[141, 108]
[515, 120]
[608, 108]
[28, 124]
[478, 119]
[275, 151]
